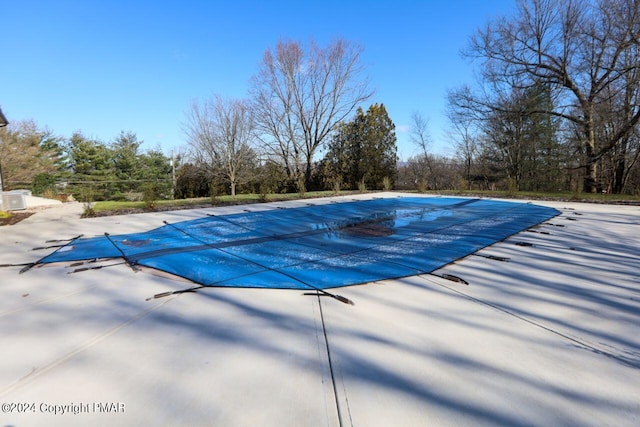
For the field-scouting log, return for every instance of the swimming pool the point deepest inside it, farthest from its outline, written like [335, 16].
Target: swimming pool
[319, 246]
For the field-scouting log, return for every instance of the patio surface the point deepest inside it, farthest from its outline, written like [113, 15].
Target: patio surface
[548, 337]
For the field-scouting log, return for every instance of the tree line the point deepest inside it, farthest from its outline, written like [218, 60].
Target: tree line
[557, 105]
[361, 153]
[35, 158]
[90, 169]
[300, 96]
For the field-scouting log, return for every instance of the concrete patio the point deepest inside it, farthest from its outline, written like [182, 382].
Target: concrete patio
[550, 336]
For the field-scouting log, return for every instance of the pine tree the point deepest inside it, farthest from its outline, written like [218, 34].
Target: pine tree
[363, 150]
[92, 165]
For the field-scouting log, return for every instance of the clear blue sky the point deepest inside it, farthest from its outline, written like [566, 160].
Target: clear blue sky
[102, 67]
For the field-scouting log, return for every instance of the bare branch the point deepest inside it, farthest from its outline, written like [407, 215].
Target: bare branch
[300, 95]
[221, 133]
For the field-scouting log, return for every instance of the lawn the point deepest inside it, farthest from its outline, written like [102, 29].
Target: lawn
[111, 207]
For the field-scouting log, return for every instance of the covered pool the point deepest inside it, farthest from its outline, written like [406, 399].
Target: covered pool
[317, 246]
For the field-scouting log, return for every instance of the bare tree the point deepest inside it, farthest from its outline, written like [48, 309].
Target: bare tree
[220, 133]
[419, 135]
[580, 48]
[464, 135]
[26, 151]
[419, 132]
[300, 95]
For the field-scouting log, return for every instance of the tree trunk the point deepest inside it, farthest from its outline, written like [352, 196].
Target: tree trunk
[620, 168]
[619, 175]
[590, 184]
[307, 173]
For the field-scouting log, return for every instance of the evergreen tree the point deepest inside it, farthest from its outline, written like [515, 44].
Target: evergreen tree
[336, 163]
[155, 170]
[92, 165]
[126, 159]
[524, 137]
[363, 150]
[378, 151]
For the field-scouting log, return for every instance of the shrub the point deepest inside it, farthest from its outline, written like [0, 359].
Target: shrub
[214, 190]
[87, 198]
[336, 184]
[43, 182]
[265, 190]
[362, 187]
[302, 188]
[50, 193]
[150, 197]
[386, 184]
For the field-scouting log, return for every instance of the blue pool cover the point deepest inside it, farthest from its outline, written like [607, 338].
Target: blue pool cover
[316, 246]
